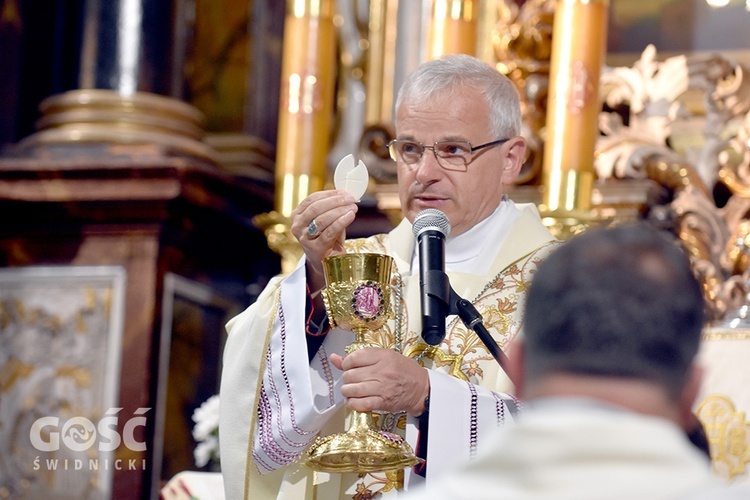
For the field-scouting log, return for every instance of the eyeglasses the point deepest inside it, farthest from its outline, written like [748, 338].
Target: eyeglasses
[451, 155]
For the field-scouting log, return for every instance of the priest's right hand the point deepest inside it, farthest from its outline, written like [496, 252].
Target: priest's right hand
[319, 223]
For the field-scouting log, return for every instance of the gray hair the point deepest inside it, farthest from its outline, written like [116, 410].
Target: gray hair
[452, 72]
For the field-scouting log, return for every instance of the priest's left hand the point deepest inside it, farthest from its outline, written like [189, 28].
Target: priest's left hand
[382, 379]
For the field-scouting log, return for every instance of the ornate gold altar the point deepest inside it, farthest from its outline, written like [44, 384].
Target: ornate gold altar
[661, 138]
[665, 140]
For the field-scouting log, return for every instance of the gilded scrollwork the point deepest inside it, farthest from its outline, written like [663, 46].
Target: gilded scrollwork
[648, 143]
[522, 41]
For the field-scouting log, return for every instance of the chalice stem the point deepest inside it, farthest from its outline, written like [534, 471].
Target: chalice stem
[359, 341]
[361, 422]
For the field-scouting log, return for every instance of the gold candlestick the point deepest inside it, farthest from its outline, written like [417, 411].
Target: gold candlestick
[579, 42]
[305, 117]
[306, 107]
[454, 27]
[381, 61]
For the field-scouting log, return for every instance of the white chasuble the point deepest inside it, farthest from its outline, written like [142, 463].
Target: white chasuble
[281, 402]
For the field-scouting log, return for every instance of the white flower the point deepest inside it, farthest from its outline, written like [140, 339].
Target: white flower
[206, 418]
[206, 451]
[206, 431]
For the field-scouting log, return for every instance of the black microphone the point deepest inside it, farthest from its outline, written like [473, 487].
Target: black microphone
[431, 227]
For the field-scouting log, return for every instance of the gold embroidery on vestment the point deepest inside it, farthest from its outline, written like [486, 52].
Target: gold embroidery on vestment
[728, 435]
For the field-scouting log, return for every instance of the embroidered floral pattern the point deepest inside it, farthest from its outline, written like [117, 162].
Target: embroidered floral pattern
[498, 303]
[462, 353]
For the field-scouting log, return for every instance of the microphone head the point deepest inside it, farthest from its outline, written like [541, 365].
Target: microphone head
[431, 219]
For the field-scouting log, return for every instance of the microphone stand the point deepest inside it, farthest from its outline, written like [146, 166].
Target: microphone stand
[438, 286]
[473, 320]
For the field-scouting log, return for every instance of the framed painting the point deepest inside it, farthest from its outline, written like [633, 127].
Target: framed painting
[60, 348]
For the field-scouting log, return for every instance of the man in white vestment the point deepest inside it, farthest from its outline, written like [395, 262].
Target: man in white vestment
[286, 378]
[606, 370]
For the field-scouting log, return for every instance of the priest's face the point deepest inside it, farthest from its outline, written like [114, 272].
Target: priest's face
[453, 123]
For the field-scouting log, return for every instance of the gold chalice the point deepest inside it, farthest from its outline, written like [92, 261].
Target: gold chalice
[357, 298]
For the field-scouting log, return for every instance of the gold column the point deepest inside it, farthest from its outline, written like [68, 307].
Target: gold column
[306, 110]
[488, 17]
[453, 29]
[579, 45]
[305, 116]
[381, 61]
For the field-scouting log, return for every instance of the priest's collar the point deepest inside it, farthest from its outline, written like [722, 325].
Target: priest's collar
[474, 250]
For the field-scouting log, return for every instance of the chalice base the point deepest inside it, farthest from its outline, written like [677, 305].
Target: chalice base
[361, 450]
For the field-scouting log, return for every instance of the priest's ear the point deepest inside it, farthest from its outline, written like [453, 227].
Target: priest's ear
[515, 155]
